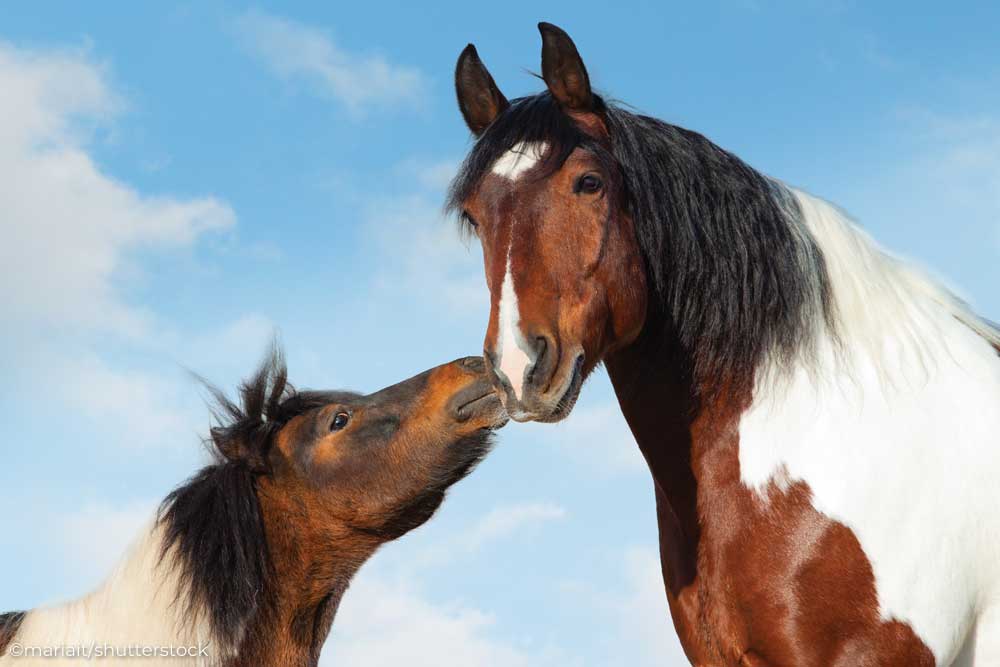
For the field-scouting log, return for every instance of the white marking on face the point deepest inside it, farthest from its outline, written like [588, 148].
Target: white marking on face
[895, 430]
[514, 355]
[519, 159]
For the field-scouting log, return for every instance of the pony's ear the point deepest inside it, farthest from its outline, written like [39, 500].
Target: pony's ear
[478, 96]
[243, 444]
[563, 70]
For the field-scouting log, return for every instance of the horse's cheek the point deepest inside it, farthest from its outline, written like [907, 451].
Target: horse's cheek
[625, 285]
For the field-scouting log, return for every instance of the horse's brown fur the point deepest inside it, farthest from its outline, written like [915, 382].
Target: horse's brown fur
[750, 580]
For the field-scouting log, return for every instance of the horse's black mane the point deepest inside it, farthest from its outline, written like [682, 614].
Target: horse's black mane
[213, 527]
[733, 276]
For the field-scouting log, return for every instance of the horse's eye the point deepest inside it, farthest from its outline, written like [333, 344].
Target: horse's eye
[469, 220]
[339, 421]
[588, 184]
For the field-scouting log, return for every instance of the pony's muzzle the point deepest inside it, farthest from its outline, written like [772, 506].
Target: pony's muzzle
[477, 400]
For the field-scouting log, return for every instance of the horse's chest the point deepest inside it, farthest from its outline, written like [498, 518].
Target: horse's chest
[847, 533]
[782, 584]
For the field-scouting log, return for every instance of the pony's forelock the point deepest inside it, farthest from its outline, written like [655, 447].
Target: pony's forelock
[213, 528]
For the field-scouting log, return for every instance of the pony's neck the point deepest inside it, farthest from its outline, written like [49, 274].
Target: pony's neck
[143, 603]
[312, 565]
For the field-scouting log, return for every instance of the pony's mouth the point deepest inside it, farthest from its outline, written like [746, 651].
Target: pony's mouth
[485, 407]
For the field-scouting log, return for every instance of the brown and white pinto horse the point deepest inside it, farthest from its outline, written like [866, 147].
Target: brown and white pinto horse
[821, 421]
[245, 564]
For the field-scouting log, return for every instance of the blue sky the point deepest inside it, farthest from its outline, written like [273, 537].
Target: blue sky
[177, 183]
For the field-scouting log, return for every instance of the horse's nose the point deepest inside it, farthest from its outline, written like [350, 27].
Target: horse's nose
[546, 358]
[539, 360]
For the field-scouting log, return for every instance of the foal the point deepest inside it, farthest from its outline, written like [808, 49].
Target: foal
[246, 563]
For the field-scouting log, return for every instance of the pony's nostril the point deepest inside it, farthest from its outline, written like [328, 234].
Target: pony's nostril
[474, 363]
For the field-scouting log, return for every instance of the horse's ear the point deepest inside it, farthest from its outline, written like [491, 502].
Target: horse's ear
[478, 96]
[563, 70]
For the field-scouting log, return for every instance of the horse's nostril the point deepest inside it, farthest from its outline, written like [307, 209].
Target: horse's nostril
[541, 345]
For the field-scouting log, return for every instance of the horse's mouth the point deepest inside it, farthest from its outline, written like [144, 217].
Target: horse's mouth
[569, 397]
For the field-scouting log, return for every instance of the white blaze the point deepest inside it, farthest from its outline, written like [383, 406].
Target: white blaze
[519, 159]
[514, 356]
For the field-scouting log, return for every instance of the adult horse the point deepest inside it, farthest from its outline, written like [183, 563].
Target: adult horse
[821, 420]
[246, 563]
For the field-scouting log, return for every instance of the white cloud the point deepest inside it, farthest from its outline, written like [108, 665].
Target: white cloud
[72, 237]
[68, 227]
[96, 537]
[296, 51]
[643, 613]
[505, 521]
[634, 612]
[146, 409]
[384, 625]
[497, 524]
[960, 156]
[434, 175]
[386, 619]
[424, 252]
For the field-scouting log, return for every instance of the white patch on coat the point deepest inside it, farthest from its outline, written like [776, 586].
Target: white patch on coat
[895, 427]
[519, 159]
[134, 607]
[514, 355]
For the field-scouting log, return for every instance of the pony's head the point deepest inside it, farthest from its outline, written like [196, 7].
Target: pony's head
[315, 481]
[544, 194]
[378, 463]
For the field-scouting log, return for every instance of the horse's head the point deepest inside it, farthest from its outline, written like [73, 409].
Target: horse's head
[545, 197]
[374, 465]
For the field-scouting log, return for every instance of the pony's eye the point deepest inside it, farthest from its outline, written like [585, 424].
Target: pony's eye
[339, 421]
[588, 184]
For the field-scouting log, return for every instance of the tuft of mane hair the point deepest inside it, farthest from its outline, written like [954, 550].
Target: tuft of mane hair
[734, 278]
[213, 529]
[10, 623]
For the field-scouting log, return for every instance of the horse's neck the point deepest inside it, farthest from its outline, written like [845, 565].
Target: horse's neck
[133, 608]
[656, 406]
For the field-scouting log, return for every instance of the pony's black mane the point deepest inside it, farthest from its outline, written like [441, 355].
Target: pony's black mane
[10, 624]
[733, 277]
[213, 529]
